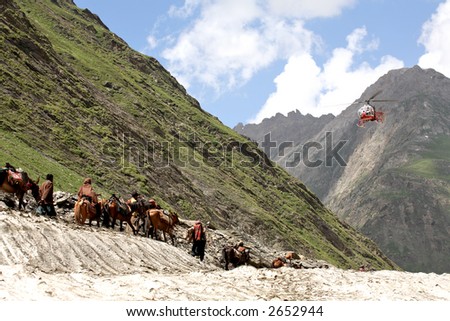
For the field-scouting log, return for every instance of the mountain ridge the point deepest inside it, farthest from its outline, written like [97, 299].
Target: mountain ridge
[394, 185]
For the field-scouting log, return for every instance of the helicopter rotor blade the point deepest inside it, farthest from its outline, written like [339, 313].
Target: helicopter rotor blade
[374, 95]
[383, 100]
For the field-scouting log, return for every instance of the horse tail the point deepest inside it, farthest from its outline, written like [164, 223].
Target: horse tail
[148, 225]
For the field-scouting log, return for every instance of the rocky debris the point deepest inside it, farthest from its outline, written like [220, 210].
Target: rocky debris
[53, 258]
[7, 202]
[50, 260]
[260, 255]
[64, 200]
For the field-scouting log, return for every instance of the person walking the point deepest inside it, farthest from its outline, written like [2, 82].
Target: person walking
[198, 236]
[46, 194]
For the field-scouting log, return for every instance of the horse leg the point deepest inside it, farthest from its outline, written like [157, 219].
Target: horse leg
[174, 239]
[152, 232]
[106, 218]
[147, 226]
[225, 258]
[136, 224]
[20, 195]
[129, 224]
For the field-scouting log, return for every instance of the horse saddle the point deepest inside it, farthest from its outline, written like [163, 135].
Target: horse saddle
[237, 253]
[87, 200]
[14, 177]
[123, 209]
[165, 217]
[241, 252]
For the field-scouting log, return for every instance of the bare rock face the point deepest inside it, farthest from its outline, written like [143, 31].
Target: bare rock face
[393, 183]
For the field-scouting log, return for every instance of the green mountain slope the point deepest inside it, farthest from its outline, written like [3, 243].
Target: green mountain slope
[76, 101]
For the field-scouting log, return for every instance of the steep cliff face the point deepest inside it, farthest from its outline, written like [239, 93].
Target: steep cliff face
[76, 101]
[391, 180]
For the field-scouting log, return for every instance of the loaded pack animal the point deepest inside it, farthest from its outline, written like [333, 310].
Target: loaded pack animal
[139, 208]
[236, 256]
[278, 262]
[18, 183]
[161, 220]
[85, 209]
[118, 210]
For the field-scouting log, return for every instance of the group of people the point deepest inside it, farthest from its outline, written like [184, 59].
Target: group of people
[196, 234]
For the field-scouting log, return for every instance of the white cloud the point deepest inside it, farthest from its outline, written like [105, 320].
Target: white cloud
[186, 10]
[152, 42]
[310, 89]
[231, 40]
[435, 38]
[228, 41]
[307, 9]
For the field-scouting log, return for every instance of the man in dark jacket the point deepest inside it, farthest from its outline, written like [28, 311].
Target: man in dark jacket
[46, 193]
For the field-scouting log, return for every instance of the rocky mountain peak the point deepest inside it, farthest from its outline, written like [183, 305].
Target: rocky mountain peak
[393, 181]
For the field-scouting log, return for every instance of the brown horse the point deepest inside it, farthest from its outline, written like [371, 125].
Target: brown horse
[278, 262]
[83, 210]
[116, 209]
[140, 218]
[161, 221]
[19, 183]
[234, 256]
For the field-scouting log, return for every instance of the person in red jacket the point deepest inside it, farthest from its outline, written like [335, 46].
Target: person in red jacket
[198, 235]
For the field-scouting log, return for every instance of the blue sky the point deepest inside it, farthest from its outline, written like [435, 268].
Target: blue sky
[246, 60]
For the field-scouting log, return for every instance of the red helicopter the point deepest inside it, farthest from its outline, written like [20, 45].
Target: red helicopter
[368, 113]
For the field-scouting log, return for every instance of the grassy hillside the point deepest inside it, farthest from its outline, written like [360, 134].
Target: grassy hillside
[77, 102]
